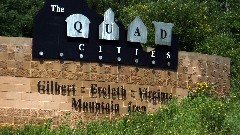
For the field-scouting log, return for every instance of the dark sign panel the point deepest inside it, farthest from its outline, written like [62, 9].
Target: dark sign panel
[69, 30]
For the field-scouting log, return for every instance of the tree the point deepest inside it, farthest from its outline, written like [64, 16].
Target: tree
[16, 17]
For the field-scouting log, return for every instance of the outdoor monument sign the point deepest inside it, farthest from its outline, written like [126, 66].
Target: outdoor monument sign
[91, 67]
[69, 30]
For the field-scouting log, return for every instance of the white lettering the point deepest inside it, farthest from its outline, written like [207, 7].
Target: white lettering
[119, 49]
[62, 10]
[100, 48]
[80, 47]
[53, 7]
[153, 56]
[136, 51]
[168, 55]
[59, 9]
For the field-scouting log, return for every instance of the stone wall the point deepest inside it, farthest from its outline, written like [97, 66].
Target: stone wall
[25, 98]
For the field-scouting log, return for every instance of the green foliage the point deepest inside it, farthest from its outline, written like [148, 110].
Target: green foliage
[16, 17]
[203, 89]
[194, 20]
[232, 120]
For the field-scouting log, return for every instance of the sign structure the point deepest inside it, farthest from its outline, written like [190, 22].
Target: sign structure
[33, 89]
[69, 30]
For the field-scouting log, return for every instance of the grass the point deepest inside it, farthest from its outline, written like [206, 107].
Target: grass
[200, 113]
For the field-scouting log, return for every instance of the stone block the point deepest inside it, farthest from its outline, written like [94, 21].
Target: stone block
[3, 48]
[48, 65]
[191, 63]
[147, 81]
[120, 70]
[70, 67]
[79, 67]
[29, 96]
[140, 71]
[100, 69]
[33, 120]
[20, 120]
[68, 75]
[203, 71]
[53, 74]
[11, 48]
[146, 72]
[10, 95]
[3, 111]
[185, 62]
[135, 79]
[11, 56]
[27, 49]
[22, 73]
[44, 97]
[14, 112]
[14, 88]
[7, 72]
[51, 105]
[59, 99]
[34, 113]
[3, 64]
[181, 92]
[34, 64]
[27, 57]
[26, 112]
[26, 65]
[86, 67]
[161, 82]
[40, 65]
[201, 64]
[19, 56]
[114, 69]
[11, 64]
[65, 107]
[185, 70]
[79, 76]
[111, 78]
[96, 77]
[133, 71]
[45, 113]
[124, 79]
[94, 68]
[36, 73]
[226, 60]
[180, 62]
[19, 49]
[6, 119]
[3, 56]
[157, 73]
